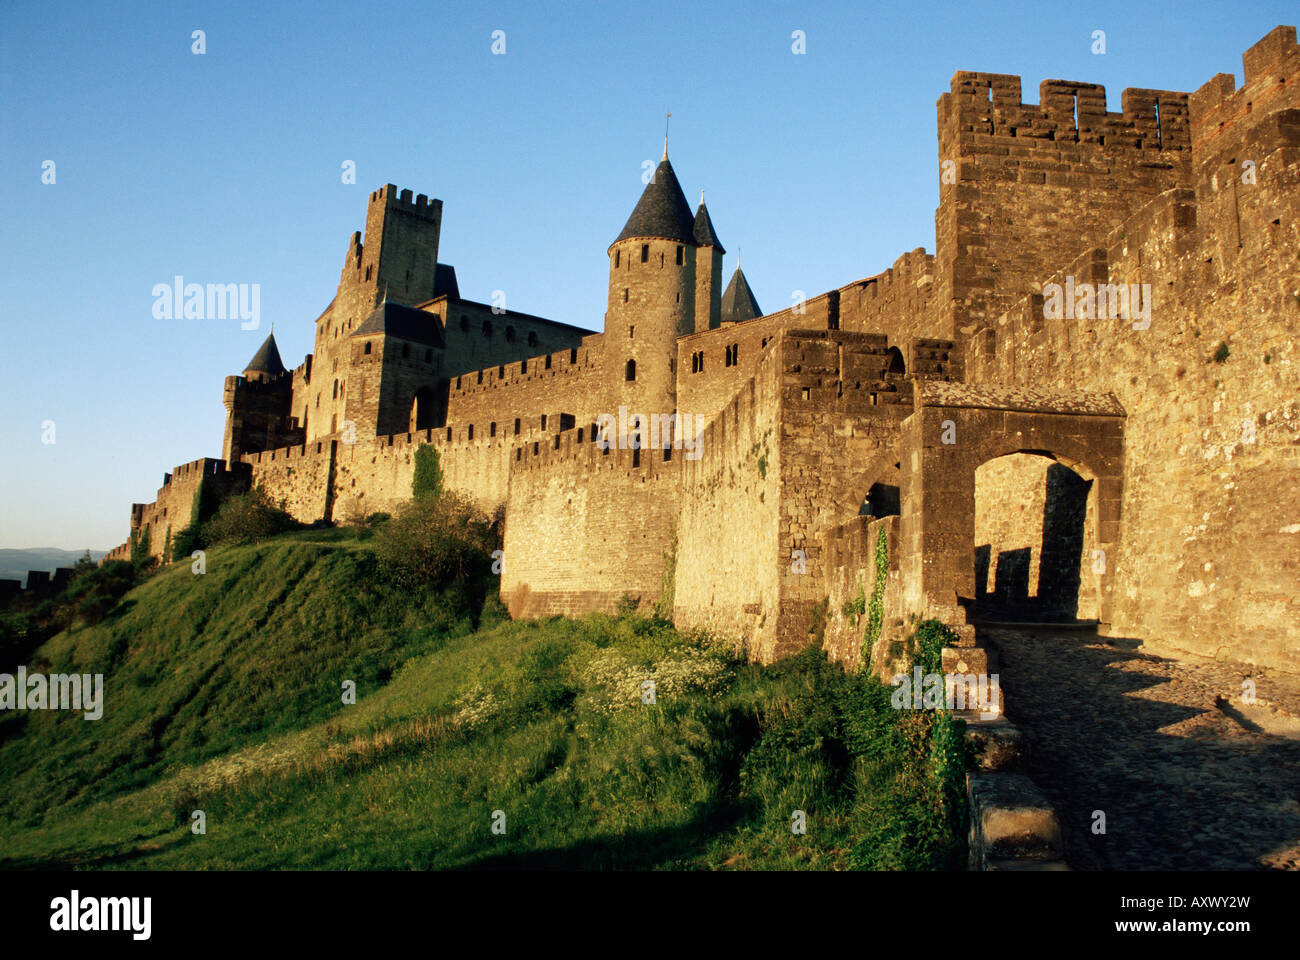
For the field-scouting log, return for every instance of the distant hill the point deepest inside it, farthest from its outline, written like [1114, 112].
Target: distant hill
[14, 564]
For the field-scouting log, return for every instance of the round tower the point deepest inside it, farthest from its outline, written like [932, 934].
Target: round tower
[651, 297]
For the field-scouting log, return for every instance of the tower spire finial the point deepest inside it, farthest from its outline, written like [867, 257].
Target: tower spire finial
[666, 119]
[701, 196]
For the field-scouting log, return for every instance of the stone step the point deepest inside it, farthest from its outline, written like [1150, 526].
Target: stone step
[1010, 820]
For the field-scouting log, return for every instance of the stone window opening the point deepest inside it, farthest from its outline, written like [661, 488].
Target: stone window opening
[516, 426]
[336, 391]
[645, 253]
[617, 257]
[548, 361]
[367, 348]
[543, 421]
[470, 432]
[679, 255]
[625, 294]
[661, 261]
[492, 429]
[630, 373]
[480, 378]
[631, 332]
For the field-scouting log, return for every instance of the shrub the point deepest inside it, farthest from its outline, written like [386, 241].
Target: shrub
[436, 541]
[427, 481]
[248, 518]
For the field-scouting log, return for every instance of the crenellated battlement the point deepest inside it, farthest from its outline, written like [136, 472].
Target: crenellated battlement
[1219, 110]
[561, 363]
[989, 104]
[390, 197]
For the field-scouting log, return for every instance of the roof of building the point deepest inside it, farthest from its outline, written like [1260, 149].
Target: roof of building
[396, 320]
[738, 301]
[267, 359]
[662, 212]
[444, 282]
[703, 232]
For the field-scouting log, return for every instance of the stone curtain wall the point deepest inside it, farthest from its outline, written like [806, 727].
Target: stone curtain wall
[584, 527]
[839, 409]
[850, 574]
[1211, 532]
[729, 556]
[171, 510]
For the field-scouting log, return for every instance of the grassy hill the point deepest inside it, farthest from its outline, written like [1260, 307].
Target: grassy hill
[224, 694]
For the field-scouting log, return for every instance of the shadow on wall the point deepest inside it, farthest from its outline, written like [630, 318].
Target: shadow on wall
[1013, 595]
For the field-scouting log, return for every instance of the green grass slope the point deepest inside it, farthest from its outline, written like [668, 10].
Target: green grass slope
[513, 745]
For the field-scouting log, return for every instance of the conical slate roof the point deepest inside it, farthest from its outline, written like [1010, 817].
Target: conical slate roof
[662, 212]
[267, 359]
[738, 301]
[703, 232]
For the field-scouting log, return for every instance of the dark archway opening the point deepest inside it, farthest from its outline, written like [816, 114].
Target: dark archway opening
[1031, 524]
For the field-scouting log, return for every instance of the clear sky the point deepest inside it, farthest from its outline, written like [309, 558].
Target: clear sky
[225, 167]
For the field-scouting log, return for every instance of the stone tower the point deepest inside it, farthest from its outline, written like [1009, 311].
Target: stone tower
[708, 270]
[398, 259]
[652, 296]
[258, 406]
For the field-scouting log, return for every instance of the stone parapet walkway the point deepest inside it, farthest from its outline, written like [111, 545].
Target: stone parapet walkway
[1188, 774]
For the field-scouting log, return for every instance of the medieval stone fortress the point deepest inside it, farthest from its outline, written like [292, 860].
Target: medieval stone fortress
[1083, 405]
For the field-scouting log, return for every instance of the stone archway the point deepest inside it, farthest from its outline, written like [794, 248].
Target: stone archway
[1033, 537]
[957, 428]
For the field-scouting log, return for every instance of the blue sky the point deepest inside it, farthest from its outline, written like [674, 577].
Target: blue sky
[225, 168]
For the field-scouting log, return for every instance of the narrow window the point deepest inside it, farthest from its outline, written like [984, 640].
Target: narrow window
[523, 366]
[471, 432]
[516, 426]
[492, 429]
[617, 256]
[336, 391]
[630, 374]
[548, 361]
[480, 378]
[645, 253]
[631, 332]
[449, 433]
[679, 255]
[625, 294]
[367, 346]
[543, 421]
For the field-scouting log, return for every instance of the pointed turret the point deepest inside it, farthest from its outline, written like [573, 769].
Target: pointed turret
[738, 301]
[708, 269]
[702, 231]
[662, 213]
[266, 361]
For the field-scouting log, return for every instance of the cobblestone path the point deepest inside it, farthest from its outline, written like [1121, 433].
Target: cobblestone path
[1189, 775]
